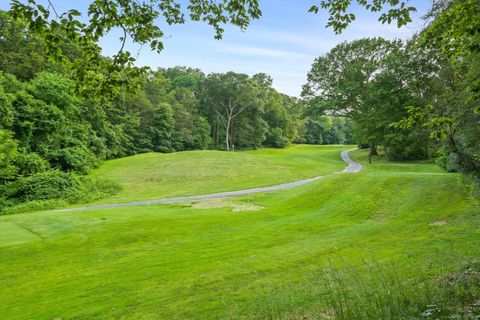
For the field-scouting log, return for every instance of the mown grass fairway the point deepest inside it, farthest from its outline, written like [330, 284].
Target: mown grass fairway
[155, 175]
[180, 262]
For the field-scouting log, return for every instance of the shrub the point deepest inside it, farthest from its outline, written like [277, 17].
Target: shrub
[93, 189]
[52, 184]
[78, 159]
[52, 189]
[404, 146]
[276, 139]
[447, 161]
[31, 163]
[8, 154]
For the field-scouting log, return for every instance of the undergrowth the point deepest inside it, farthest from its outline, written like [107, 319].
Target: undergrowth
[53, 189]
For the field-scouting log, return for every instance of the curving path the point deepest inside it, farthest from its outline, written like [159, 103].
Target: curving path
[353, 167]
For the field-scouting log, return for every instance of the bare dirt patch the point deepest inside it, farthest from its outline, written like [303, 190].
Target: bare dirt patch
[223, 203]
[379, 218]
[438, 223]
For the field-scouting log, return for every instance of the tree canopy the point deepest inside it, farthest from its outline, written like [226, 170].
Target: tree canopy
[417, 99]
[73, 36]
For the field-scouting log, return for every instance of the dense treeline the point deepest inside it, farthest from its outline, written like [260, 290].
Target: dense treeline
[417, 99]
[49, 133]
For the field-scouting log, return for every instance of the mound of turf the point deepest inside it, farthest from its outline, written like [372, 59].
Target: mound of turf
[156, 175]
[211, 262]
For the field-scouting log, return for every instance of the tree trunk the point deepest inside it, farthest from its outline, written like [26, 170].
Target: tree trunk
[217, 134]
[227, 133]
[373, 149]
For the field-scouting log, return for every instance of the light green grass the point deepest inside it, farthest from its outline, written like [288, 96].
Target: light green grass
[156, 175]
[177, 262]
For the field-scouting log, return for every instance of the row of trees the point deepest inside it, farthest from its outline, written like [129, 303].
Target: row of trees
[417, 98]
[371, 81]
[46, 124]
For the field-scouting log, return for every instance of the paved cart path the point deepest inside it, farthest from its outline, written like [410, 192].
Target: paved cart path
[353, 167]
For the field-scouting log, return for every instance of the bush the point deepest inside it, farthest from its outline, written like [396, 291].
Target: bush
[78, 159]
[31, 163]
[8, 155]
[276, 139]
[93, 189]
[447, 161]
[52, 184]
[406, 146]
[52, 189]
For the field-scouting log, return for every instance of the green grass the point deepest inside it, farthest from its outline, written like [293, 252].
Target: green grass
[178, 262]
[155, 175]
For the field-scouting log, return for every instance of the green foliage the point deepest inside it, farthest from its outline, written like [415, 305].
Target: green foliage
[455, 28]
[93, 189]
[47, 185]
[201, 134]
[161, 129]
[53, 188]
[406, 145]
[77, 158]
[371, 81]
[29, 163]
[8, 155]
[138, 22]
[339, 17]
[99, 77]
[448, 162]
[276, 139]
[449, 116]
[21, 54]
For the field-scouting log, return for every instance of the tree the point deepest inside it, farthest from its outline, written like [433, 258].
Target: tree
[339, 83]
[226, 97]
[390, 10]
[21, 54]
[277, 116]
[371, 81]
[138, 22]
[451, 114]
[162, 127]
[8, 155]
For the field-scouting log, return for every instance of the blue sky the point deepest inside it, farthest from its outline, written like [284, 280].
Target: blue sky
[283, 43]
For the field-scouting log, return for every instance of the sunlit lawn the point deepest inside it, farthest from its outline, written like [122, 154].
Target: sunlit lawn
[179, 262]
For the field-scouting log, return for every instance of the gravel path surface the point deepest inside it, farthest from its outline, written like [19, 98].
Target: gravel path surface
[353, 167]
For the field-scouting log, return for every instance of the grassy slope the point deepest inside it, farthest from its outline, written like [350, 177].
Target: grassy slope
[176, 262]
[155, 175]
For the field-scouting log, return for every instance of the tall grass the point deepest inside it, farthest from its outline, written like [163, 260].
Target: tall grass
[374, 291]
[381, 292]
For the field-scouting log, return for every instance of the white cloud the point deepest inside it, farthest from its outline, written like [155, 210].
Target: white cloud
[260, 52]
[316, 42]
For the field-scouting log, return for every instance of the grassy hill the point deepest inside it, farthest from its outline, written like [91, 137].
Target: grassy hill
[282, 255]
[156, 175]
